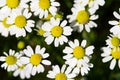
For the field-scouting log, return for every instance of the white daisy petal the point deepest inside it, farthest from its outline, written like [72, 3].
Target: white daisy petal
[112, 64]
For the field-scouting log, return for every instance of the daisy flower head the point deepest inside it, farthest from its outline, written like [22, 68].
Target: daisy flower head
[20, 18]
[4, 26]
[11, 60]
[34, 61]
[78, 55]
[113, 41]
[22, 72]
[39, 29]
[65, 73]
[56, 31]
[115, 23]
[81, 19]
[111, 54]
[43, 7]
[94, 5]
[9, 5]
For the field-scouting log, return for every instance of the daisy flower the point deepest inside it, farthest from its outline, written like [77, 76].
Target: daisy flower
[78, 56]
[39, 29]
[9, 5]
[111, 54]
[43, 7]
[22, 72]
[4, 26]
[81, 19]
[11, 61]
[21, 22]
[113, 41]
[115, 23]
[65, 73]
[34, 61]
[54, 30]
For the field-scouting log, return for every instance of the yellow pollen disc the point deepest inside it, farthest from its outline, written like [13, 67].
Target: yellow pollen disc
[21, 45]
[78, 52]
[21, 67]
[116, 53]
[48, 17]
[44, 4]
[12, 3]
[36, 59]
[119, 22]
[60, 76]
[82, 17]
[20, 21]
[11, 60]
[115, 41]
[41, 32]
[5, 23]
[57, 31]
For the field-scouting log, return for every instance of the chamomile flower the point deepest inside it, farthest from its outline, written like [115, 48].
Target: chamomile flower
[81, 19]
[9, 5]
[111, 54]
[21, 22]
[39, 29]
[4, 26]
[78, 56]
[81, 2]
[11, 60]
[113, 41]
[43, 7]
[22, 72]
[34, 61]
[65, 73]
[56, 31]
[115, 23]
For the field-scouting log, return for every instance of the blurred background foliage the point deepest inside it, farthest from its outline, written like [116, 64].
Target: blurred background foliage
[96, 37]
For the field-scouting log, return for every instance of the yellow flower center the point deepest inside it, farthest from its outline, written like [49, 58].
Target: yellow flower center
[11, 60]
[20, 44]
[21, 67]
[115, 41]
[119, 23]
[36, 59]
[5, 23]
[41, 32]
[78, 52]
[116, 53]
[60, 76]
[48, 17]
[82, 17]
[12, 3]
[57, 31]
[44, 4]
[20, 21]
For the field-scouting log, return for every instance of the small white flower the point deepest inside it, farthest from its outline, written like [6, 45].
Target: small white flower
[113, 41]
[34, 61]
[22, 71]
[61, 74]
[39, 29]
[43, 7]
[77, 56]
[81, 19]
[81, 2]
[21, 22]
[56, 31]
[11, 61]
[111, 54]
[116, 24]
[9, 5]
[4, 26]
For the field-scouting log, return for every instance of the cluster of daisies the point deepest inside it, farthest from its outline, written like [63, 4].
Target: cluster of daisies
[112, 51]
[17, 19]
